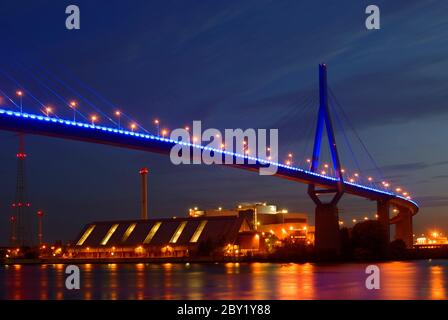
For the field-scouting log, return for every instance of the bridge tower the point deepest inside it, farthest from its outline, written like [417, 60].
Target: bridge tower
[326, 213]
[21, 203]
[403, 226]
[383, 212]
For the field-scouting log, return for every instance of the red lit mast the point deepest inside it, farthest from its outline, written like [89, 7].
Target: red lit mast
[40, 215]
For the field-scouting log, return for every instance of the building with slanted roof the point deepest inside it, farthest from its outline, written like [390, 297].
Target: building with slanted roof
[171, 237]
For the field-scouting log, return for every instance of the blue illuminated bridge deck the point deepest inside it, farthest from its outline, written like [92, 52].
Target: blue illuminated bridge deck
[66, 129]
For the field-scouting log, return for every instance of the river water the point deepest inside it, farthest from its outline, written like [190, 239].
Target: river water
[424, 279]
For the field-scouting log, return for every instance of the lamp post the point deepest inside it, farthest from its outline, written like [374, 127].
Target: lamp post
[157, 123]
[118, 114]
[73, 105]
[20, 95]
[40, 215]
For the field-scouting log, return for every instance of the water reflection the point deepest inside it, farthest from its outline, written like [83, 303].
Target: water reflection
[399, 280]
[438, 283]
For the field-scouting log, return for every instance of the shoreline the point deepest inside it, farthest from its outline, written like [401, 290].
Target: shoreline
[197, 261]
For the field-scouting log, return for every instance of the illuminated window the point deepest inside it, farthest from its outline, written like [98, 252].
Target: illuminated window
[85, 235]
[128, 232]
[109, 234]
[198, 231]
[152, 232]
[178, 232]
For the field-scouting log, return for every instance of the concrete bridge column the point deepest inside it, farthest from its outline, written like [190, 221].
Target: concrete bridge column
[403, 227]
[383, 208]
[327, 228]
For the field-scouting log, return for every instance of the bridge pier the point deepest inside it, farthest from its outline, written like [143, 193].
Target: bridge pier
[383, 211]
[327, 238]
[403, 227]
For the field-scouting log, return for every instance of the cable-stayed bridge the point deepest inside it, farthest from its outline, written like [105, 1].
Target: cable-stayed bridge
[321, 184]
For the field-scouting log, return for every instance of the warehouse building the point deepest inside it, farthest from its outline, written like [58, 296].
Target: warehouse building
[172, 237]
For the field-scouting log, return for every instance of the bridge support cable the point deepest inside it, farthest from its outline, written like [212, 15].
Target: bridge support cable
[62, 83]
[10, 99]
[302, 108]
[308, 138]
[352, 127]
[95, 94]
[59, 97]
[347, 142]
[28, 93]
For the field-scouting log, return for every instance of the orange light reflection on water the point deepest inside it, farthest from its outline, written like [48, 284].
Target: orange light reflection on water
[399, 280]
[437, 283]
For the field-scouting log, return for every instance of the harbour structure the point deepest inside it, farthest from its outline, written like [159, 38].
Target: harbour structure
[167, 237]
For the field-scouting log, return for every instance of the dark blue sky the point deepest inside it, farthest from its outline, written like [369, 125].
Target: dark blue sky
[230, 64]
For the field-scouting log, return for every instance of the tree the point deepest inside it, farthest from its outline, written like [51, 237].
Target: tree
[346, 244]
[398, 249]
[368, 240]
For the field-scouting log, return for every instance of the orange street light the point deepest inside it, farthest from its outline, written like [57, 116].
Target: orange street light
[73, 105]
[118, 114]
[20, 95]
[157, 123]
[48, 110]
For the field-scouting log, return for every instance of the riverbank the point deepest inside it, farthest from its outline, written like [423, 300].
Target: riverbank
[408, 255]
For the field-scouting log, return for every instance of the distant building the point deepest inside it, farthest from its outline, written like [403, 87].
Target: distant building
[266, 218]
[248, 229]
[434, 239]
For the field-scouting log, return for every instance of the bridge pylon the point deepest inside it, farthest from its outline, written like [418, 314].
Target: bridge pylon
[383, 213]
[403, 227]
[327, 240]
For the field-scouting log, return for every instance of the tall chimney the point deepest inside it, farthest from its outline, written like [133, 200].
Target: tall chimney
[40, 234]
[144, 194]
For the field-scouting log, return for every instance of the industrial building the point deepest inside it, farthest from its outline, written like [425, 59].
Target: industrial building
[245, 230]
[172, 237]
[266, 218]
[249, 228]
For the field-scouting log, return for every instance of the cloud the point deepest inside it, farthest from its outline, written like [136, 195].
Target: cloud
[405, 167]
[441, 176]
[433, 201]
[413, 166]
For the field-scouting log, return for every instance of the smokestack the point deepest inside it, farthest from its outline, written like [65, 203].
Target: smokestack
[40, 235]
[144, 194]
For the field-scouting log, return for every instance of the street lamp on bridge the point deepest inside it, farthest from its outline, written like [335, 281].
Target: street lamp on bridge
[20, 95]
[118, 114]
[73, 105]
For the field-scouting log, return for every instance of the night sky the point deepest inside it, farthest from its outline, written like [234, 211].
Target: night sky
[230, 64]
